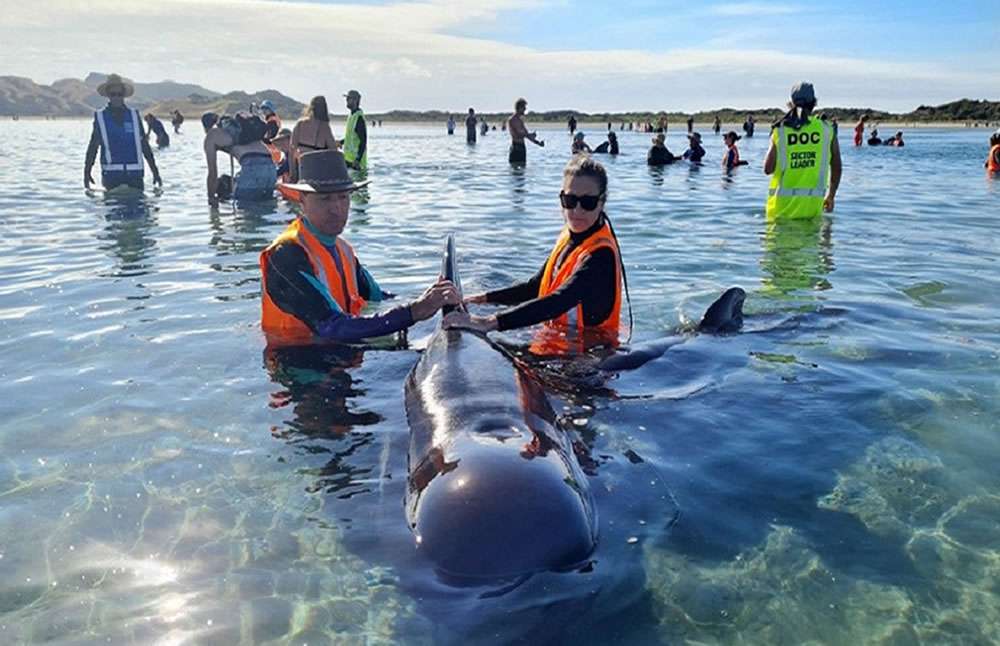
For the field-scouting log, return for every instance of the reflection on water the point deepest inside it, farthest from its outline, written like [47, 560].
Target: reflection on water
[798, 256]
[127, 235]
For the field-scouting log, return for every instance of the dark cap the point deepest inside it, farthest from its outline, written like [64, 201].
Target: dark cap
[353, 94]
[803, 94]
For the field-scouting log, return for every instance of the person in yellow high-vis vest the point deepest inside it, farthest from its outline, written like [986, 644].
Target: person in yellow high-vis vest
[803, 161]
[355, 134]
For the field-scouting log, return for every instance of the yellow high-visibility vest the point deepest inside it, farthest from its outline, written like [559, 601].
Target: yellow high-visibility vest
[352, 142]
[802, 171]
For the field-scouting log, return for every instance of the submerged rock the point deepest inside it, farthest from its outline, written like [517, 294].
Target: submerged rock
[780, 592]
[897, 486]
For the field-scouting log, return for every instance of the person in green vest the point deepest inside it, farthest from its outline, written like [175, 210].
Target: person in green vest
[355, 134]
[803, 161]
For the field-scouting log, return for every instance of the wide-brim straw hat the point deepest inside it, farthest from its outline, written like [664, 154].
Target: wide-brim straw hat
[324, 171]
[114, 80]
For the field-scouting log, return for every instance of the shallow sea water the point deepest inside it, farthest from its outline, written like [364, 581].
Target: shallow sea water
[826, 476]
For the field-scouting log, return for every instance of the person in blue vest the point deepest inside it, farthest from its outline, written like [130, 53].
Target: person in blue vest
[119, 137]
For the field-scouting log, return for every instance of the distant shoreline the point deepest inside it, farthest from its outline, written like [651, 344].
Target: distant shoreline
[705, 128]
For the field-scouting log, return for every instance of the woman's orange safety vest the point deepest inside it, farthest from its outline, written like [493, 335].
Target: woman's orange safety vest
[553, 278]
[992, 164]
[281, 327]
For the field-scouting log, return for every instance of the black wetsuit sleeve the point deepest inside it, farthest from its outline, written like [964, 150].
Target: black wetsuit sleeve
[592, 285]
[517, 293]
[92, 148]
[362, 131]
[291, 291]
[147, 152]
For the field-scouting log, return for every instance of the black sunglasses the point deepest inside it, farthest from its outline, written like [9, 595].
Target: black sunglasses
[588, 202]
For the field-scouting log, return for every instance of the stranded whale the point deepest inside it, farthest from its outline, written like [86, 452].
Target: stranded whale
[494, 488]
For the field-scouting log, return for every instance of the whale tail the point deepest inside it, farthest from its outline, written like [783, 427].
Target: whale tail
[449, 271]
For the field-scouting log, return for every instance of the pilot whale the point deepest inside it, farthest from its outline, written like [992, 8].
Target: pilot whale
[724, 316]
[494, 489]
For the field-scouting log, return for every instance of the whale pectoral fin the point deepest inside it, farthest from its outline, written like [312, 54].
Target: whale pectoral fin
[725, 315]
[640, 355]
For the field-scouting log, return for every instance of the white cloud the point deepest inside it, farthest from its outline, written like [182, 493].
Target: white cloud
[406, 55]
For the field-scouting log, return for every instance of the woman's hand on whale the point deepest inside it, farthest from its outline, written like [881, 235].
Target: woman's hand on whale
[434, 298]
[466, 321]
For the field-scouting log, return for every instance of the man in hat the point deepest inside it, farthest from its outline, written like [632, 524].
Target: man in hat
[355, 133]
[731, 158]
[314, 287]
[695, 151]
[803, 161]
[118, 134]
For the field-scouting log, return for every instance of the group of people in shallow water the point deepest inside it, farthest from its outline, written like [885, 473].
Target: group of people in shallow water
[895, 140]
[315, 287]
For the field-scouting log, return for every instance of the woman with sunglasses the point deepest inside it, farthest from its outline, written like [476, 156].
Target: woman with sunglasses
[579, 287]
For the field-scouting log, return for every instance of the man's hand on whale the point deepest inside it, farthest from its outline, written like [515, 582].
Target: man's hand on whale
[441, 293]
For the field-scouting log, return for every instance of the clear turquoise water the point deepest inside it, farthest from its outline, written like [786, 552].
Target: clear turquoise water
[827, 476]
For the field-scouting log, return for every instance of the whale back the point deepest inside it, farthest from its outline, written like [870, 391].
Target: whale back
[494, 488]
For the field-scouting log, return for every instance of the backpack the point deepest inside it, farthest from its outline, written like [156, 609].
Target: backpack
[244, 128]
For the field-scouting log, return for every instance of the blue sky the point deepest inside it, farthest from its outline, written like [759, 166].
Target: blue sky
[591, 56]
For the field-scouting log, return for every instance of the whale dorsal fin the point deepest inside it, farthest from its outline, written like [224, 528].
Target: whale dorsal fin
[449, 270]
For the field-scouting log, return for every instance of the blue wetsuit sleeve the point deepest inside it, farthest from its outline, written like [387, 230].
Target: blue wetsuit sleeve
[345, 328]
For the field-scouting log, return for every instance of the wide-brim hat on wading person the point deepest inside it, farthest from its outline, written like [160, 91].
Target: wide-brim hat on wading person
[324, 171]
[112, 81]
